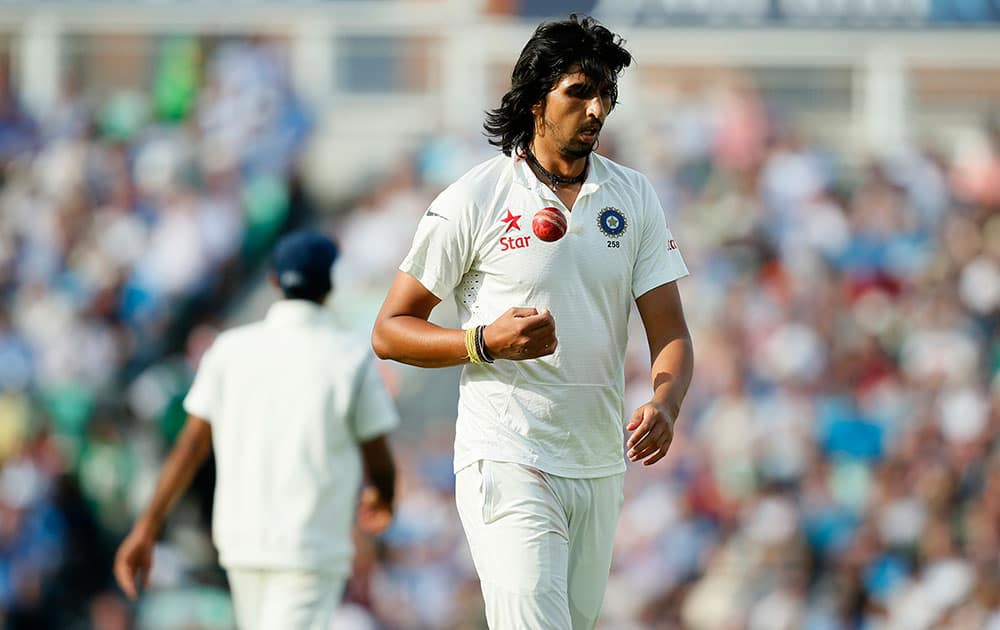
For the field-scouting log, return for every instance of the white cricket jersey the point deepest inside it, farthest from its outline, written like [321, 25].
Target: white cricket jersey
[562, 413]
[289, 399]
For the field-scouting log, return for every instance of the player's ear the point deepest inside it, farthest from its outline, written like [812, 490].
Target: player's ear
[538, 113]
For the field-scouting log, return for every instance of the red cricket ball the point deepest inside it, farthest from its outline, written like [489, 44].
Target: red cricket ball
[549, 224]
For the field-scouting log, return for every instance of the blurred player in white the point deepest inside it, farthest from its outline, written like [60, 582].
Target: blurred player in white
[296, 413]
[538, 445]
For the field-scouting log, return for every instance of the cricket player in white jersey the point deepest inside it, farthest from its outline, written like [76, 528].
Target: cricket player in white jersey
[296, 413]
[538, 447]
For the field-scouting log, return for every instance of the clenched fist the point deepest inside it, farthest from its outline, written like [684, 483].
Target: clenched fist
[521, 333]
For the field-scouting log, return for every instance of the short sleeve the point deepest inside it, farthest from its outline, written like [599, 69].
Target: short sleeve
[203, 398]
[659, 259]
[373, 413]
[442, 249]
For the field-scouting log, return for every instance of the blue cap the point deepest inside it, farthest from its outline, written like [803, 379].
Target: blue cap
[303, 263]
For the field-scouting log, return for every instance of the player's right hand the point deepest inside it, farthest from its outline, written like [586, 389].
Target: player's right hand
[521, 333]
[133, 562]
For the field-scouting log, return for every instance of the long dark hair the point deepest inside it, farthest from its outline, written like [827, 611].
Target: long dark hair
[552, 51]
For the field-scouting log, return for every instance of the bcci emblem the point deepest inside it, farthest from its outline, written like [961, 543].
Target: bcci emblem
[612, 222]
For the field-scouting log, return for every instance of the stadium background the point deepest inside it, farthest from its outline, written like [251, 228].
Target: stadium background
[831, 169]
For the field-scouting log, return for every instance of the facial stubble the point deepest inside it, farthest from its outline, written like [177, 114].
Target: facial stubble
[573, 149]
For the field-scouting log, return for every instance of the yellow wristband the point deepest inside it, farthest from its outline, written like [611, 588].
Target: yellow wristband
[470, 345]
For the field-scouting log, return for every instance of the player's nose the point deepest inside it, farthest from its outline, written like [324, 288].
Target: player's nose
[596, 109]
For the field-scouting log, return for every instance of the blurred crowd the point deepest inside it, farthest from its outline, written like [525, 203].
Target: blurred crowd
[124, 222]
[836, 463]
[839, 456]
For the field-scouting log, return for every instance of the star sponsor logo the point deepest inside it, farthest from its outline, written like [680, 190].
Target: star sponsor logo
[612, 222]
[511, 220]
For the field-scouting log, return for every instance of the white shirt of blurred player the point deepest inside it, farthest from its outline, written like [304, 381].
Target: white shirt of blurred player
[564, 413]
[289, 400]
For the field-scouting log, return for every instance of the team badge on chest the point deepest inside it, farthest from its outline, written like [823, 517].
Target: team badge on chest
[612, 222]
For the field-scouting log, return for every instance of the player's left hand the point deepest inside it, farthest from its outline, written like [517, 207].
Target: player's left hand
[133, 561]
[652, 429]
[374, 514]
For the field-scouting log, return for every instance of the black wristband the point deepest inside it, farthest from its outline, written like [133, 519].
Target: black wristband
[481, 344]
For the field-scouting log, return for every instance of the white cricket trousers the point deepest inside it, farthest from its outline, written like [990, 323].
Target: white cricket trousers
[541, 543]
[272, 599]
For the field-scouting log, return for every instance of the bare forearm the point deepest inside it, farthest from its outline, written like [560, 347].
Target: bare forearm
[380, 467]
[383, 479]
[415, 341]
[672, 367]
[180, 467]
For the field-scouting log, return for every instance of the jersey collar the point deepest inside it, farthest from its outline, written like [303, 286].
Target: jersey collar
[285, 312]
[524, 176]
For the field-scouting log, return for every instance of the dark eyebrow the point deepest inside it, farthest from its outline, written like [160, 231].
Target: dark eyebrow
[582, 85]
